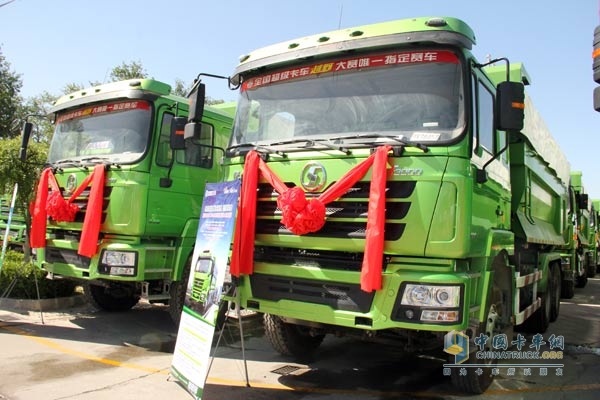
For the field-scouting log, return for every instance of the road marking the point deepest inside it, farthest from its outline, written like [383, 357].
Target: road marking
[259, 385]
[66, 350]
[580, 304]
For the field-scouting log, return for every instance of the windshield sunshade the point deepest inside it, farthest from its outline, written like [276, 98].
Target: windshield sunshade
[117, 132]
[417, 95]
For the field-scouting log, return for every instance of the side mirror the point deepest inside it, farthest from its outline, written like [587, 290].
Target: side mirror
[196, 97]
[510, 106]
[177, 140]
[597, 99]
[25, 134]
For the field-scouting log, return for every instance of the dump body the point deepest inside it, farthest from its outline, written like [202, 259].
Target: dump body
[151, 195]
[475, 218]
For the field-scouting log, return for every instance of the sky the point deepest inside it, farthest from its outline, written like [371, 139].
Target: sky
[52, 43]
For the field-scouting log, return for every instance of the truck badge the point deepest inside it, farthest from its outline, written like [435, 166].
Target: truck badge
[71, 184]
[313, 176]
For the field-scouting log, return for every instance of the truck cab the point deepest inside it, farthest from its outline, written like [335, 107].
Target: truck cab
[117, 157]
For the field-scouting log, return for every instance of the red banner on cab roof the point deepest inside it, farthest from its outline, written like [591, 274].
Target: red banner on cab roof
[104, 108]
[354, 63]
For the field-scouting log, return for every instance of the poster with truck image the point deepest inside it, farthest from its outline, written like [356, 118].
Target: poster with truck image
[191, 357]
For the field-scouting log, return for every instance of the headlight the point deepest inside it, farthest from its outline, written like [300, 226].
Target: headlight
[118, 258]
[431, 296]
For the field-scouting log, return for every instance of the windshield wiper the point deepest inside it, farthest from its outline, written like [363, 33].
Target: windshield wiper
[327, 143]
[395, 138]
[67, 162]
[257, 147]
[311, 143]
[101, 160]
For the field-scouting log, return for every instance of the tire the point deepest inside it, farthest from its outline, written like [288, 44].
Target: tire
[555, 277]
[540, 320]
[177, 293]
[567, 290]
[581, 280]
[112, 298]
[290, 339]
[499, 317]
[590, 267]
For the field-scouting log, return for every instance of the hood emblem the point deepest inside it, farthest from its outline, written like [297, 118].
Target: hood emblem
[313, 177]
[71, 184]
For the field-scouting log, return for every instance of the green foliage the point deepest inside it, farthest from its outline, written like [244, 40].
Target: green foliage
[128, 71]
[25, 274]
[24, 173]
[10, 100]
[181, 88]
[36, 110]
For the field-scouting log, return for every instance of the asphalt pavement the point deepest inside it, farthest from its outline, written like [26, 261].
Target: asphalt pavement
[79, 353]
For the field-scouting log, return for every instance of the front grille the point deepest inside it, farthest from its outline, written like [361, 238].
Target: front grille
[82, 201]
[325, 259]
[346, 217]
[63, 256]
[197, 288]
[339, 296]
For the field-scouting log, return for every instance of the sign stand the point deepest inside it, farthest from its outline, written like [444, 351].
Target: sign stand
[203, 297]
[236, 295]
[12, 284]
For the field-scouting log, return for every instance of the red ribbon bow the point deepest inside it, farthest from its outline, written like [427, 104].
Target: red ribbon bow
[303, 216]
[53, 205]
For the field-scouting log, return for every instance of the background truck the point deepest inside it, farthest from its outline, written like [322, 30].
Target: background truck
[17, 233]
[596, 67]
[583, 231]
[595, 218]
[134, 186]
[395, 188]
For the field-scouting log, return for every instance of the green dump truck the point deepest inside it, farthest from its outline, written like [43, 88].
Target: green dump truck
[595, 238]
[118, 205]
[395, 188]
[596, 67]
[584, 231]
[17, 232]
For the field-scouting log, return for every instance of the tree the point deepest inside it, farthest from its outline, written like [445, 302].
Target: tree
[181, 88]
[10, 99]
[128, 71]
[37, 111]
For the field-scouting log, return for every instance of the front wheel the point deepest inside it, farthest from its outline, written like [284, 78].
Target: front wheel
[555, 278]
[112, 297]
[289, 339]
[581, 278]
[498, 322]
[177, 292]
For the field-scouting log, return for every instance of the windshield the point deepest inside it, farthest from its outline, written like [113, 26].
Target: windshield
[417, 95]
[116, 132]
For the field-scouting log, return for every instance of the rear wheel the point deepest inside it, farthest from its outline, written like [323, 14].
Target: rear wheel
[555, 277]
[289, 339]
[568, 288]
[590, 266]
[112, 297]
[539, 321]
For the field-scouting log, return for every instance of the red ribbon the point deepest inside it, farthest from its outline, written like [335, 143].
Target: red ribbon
[53, 205]
[303, 216]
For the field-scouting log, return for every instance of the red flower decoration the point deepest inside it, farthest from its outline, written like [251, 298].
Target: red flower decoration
[299, 215]
[59, 209]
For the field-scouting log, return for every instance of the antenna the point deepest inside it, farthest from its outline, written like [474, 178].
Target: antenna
[342, 12]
